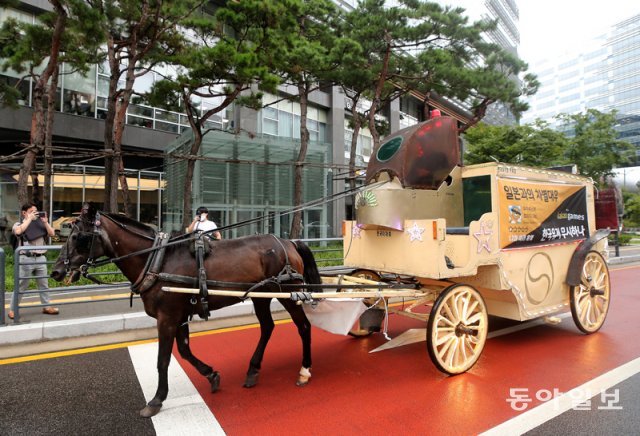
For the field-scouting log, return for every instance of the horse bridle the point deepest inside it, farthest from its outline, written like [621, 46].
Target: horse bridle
[90, 262]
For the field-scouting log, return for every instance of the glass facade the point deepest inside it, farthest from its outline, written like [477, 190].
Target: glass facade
[239, 178]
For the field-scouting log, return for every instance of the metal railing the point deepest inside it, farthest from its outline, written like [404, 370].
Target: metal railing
[17, 278]
[2, 285]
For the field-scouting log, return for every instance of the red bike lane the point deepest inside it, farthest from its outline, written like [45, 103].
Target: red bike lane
[400, 390]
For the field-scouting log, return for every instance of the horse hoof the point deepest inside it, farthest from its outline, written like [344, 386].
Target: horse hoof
[150, 411]
[303, 377]
[251, 381]
[214, 380]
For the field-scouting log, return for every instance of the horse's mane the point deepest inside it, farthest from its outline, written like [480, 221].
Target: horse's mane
[130, 222]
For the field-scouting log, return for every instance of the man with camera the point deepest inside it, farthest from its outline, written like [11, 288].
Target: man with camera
[31, 230]
[201, 223]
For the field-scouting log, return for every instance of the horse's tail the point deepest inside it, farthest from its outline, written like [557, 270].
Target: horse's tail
[311, 273]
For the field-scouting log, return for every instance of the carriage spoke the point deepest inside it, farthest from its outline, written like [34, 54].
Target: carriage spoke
[464, 350]
[445, 320]
[451, 352]
[463, 302]
[444, 338]
[447, 345]
[471, 312]
[585, 313]
[449, 315]
[595, 311]
[475, 319]
[455, 308]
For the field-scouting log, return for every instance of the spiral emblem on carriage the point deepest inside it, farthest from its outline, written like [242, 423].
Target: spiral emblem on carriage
[539, 277]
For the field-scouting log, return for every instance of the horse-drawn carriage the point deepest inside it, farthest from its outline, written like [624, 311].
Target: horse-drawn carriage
[468, 242]
[489, 239]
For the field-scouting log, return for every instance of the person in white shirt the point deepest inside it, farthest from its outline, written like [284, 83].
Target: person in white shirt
[201, 223]
[32, 230]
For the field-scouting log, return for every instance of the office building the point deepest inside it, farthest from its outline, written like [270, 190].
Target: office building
[605, 76]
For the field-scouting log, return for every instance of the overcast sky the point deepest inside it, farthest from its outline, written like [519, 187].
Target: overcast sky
[549, 28]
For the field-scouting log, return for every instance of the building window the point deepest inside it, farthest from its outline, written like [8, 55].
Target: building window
[283, 120]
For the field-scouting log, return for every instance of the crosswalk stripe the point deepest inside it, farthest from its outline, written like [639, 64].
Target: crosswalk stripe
[184, 412]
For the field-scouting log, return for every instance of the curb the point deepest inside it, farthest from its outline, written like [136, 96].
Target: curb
[79, 327]
[623, 259]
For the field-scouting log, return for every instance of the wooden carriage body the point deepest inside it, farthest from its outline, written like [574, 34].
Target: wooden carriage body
[509, 231]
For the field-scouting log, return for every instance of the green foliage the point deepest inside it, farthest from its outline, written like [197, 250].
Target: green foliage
[631, 209]
[531, 144]
[593, 144]
[587, 140]
[623, 239]
[330, 255]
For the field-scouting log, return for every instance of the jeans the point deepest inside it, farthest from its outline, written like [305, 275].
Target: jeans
[30, 267]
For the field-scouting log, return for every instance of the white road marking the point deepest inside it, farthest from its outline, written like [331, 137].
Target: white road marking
[546, 411]
[184, 412]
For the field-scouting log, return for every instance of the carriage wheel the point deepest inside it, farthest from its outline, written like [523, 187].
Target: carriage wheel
[590, 299]
[457, 329]
[357, 331]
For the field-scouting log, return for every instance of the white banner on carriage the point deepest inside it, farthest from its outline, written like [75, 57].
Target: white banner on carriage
[335, 315]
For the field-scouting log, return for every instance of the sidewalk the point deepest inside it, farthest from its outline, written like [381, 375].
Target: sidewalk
[85, 324]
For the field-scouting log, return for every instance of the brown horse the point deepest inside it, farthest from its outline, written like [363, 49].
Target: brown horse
[249, 260]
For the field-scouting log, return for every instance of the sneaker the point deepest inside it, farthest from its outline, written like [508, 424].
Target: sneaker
[50, 311]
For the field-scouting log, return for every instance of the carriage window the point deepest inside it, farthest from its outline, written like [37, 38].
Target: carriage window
[476, 194]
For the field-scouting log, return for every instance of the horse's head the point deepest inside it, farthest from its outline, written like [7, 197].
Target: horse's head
[84, 244]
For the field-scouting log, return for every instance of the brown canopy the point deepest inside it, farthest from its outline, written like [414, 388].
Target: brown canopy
[421, 156]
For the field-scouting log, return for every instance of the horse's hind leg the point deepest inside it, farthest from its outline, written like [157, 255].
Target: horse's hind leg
[263, 312]
[182, 339]
[304, 330]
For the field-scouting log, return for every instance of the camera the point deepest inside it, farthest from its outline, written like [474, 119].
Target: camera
[42, 214]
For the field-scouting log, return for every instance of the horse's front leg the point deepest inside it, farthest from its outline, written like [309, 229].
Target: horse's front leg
[262, 307]
[182, 339]
[166, 336]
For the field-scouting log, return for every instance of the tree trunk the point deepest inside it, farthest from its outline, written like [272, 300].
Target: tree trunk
[120, 123]
[296, 220]
[117, 171]
[375, 104]
[187, 203]
[111, 183]
[357, 125]
[37, 135]
[48, 153]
